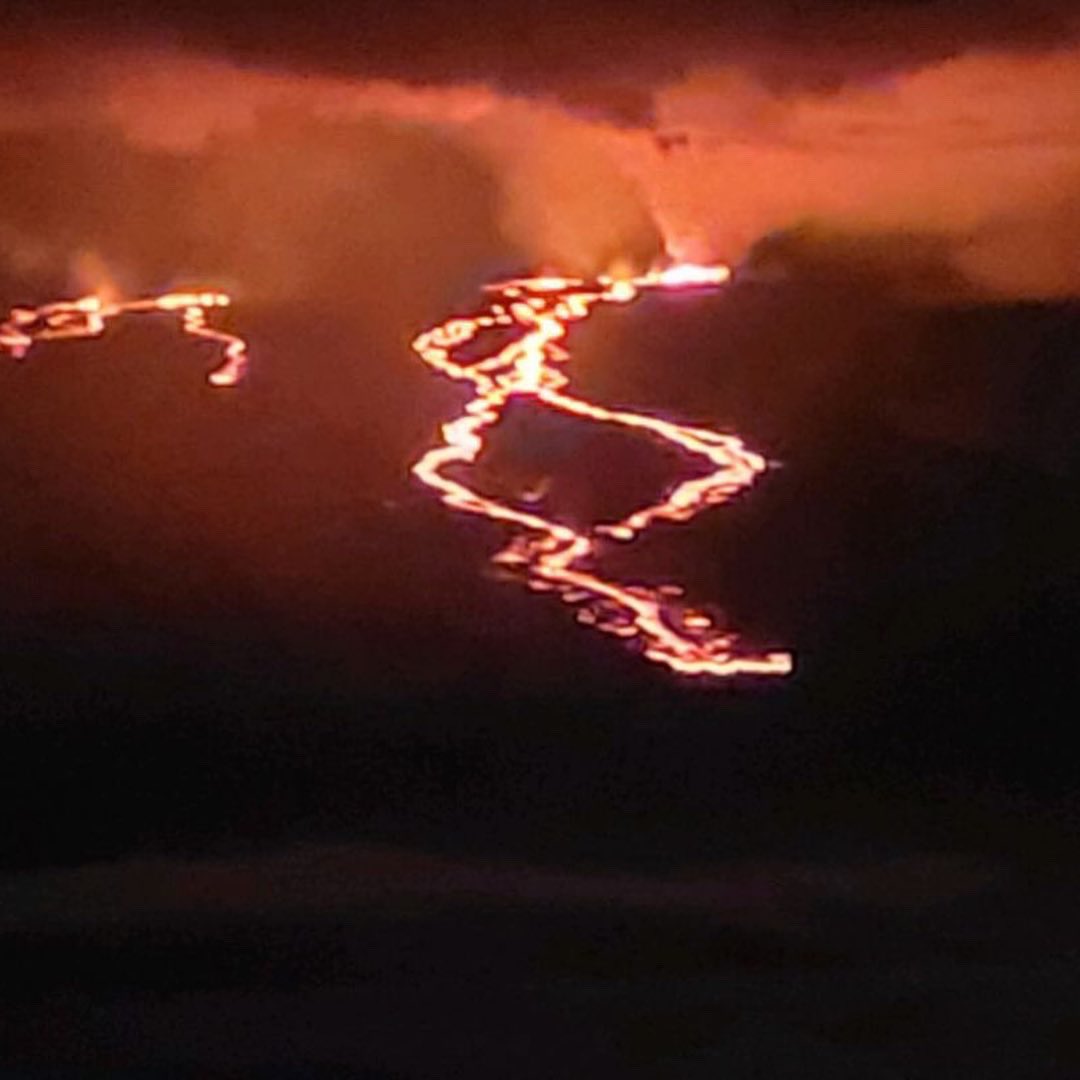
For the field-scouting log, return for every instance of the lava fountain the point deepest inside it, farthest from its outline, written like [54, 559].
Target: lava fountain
[548, 555]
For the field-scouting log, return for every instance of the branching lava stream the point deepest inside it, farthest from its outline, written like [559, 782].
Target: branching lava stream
[87, 316]
[550, 556]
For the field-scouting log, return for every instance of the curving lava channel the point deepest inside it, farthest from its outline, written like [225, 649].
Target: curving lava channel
[550, 556]
[546, 554]
[87, 316]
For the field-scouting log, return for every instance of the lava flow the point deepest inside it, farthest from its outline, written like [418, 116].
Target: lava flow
[550, 556]
[87, 316]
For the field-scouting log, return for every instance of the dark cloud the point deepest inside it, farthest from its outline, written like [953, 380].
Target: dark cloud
[583, 52]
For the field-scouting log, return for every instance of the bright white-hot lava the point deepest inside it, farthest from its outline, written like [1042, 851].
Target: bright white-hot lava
[548, 555]
[87, 316]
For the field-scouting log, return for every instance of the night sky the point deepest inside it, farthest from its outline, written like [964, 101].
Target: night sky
[296, 786]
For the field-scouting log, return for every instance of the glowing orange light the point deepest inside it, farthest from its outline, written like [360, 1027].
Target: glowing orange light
[552, 557]
[690, 274]
[547, 555]
[87, 316]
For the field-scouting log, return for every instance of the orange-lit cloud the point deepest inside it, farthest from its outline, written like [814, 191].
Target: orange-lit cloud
[982, 150]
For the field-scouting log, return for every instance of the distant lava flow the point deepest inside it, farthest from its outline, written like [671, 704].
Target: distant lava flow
[550, 556]
[86, 317]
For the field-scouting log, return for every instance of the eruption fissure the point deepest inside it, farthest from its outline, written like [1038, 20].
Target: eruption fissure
[87, 316]
[551, 556]
[548, 555]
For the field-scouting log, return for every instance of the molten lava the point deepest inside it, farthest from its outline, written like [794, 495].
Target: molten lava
[547, 555]
[86, 317]
[550, 556]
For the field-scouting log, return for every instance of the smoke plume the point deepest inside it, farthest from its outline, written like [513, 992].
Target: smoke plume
[163, 163]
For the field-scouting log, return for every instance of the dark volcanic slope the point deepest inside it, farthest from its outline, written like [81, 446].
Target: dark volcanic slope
[343, 788]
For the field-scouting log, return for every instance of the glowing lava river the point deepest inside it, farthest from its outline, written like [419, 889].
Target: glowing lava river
[87, 316]
[547, 555]
[550, 556]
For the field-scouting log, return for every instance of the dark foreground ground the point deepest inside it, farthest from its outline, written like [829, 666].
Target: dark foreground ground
[292, 789]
